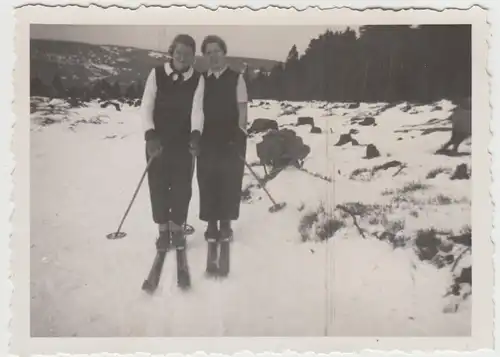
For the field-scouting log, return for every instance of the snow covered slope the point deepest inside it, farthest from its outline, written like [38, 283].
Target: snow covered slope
[365, 246]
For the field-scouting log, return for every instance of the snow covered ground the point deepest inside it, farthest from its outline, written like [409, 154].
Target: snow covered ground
[361, 248]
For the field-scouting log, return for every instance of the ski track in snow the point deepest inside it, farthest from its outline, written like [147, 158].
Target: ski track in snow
[85, 285]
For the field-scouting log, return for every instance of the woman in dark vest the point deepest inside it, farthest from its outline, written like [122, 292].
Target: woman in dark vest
[222, 144]
[169, 118]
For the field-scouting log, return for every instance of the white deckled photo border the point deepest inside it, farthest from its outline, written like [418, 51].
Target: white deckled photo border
[482, 211]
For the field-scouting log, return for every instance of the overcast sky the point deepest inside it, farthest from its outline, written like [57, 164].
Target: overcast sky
[267, 42]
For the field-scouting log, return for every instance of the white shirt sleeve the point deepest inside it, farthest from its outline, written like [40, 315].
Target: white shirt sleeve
[148, 102]
[241, 90]
[197, 114]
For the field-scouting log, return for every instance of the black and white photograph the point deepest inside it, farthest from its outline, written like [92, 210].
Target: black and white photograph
[225, 180]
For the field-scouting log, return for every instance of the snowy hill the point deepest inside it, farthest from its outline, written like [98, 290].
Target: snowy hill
[367, 244]
[80, 63]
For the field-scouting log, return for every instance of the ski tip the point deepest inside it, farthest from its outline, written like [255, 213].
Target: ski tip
[211, 274]
[148, 287]
[184, 285]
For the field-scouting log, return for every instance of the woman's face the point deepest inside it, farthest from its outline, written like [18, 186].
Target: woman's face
[215, 55]
[183, 56]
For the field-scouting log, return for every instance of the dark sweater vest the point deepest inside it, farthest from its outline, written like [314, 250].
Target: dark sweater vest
[172, 109]
[221, 110]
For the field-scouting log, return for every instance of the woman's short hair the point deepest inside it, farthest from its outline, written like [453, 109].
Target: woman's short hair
[184, 39]
[213, 39]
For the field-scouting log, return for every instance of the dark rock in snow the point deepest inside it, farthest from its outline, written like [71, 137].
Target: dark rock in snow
[305, 121]
[461, 173]
[316, 130]
[465, 276]
[344, 139]
[352, 106]
[108, 103]
[262, 124]
[368, 121]
[371, 152]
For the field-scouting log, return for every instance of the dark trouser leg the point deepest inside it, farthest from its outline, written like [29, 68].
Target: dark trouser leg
[231, 175]
[208, 183]
[182, 179]
[159, 190]
[158, 181]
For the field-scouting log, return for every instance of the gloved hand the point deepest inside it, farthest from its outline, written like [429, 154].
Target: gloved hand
[153, 144]
[194, 143]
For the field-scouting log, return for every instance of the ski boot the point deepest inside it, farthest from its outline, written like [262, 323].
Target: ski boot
[225, 238]
[164, 241]
[212, 238]
[179, 242]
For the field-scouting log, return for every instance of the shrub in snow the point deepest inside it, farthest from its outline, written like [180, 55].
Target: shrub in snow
[460, 289]
[442, 200]
[328, 227]
[427, 244]
[396, 240]
[361, 174]
[365, 174]
[45, 121]
[413, 186]
[405, 107]
[435, 172]
[319, 224]
[282, 148]
[288, 111]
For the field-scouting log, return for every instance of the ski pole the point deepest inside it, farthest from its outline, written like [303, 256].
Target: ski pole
[119, 234]
[276, 206]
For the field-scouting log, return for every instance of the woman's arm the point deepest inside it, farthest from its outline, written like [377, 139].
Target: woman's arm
[197, 114]
[148, 102]
[242, 96]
